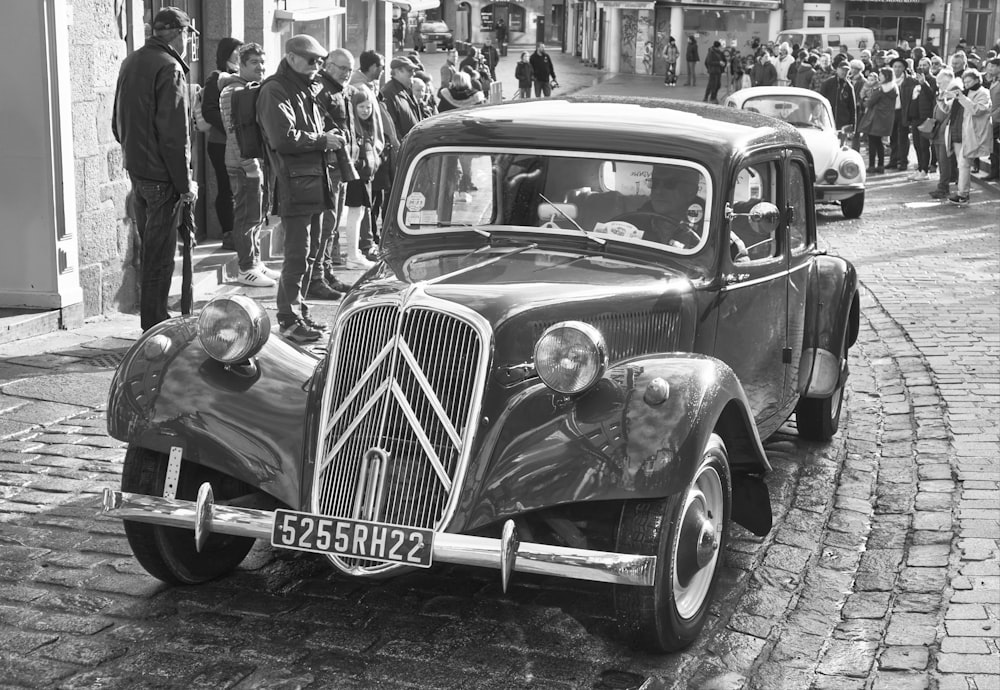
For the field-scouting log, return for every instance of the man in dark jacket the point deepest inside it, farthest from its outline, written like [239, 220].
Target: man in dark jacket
[715, 63]
[840, 92]
[899, 141]
[335, 97]
[227, 61]
[763, 72]
[299, 151]
[403, 109]
[150, 121]
[543, 74]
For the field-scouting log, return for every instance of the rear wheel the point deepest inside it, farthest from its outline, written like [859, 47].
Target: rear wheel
[169, 553]
[818, 419]
[852, 206]
[687, 533]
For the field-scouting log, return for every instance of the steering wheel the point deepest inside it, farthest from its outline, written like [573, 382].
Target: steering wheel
[657, 228]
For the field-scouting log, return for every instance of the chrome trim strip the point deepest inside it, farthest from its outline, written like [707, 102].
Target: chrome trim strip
[763, 279]
[461, 549]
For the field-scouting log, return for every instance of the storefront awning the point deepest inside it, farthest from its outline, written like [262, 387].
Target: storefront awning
[417, 5]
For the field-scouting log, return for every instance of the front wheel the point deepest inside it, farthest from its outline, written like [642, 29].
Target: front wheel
[852, 206]
[818, 419]
[169, 553]
[687, 533]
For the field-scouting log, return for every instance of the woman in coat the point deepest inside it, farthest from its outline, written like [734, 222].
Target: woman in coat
[878, 118]
[976, 131]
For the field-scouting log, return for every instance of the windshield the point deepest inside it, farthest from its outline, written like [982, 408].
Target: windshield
[433, 26]
[801, 111]
[790, 39]
[635, 199]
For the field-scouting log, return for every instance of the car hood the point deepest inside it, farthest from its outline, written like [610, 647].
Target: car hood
[823, 145]
[520, 292]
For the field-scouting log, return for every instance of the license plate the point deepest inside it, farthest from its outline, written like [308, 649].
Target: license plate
[352, 538]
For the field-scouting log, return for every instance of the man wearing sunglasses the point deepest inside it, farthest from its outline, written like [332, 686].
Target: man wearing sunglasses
[150, 121]
[299, 151]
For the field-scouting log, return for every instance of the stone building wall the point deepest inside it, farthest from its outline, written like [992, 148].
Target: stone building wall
[107, 246]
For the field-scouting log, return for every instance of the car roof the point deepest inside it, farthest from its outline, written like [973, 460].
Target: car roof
[638, 126]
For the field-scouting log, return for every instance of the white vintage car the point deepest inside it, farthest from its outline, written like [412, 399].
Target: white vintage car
[840, 170]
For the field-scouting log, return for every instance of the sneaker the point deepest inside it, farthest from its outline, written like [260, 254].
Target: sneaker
[959, 199]
[298, 331]
[269, 272]
[255, 278]
[320, 289]
[938, 194]
[372, 254]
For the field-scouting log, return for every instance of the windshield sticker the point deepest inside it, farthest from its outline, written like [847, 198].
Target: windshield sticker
[415, 201]
[429, 217]
[695, 213]
[618, 228]
[413, 218]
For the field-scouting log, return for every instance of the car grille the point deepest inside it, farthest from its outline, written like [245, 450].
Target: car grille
[403, 401]
[631, 334]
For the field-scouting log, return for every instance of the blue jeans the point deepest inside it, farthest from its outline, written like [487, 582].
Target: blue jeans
[153, 204]
[247, 216]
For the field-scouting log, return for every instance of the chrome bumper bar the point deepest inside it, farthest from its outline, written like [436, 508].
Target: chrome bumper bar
[506, 554]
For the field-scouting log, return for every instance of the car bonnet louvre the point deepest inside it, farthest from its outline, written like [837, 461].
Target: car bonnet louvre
[630, 334]
[405, 383]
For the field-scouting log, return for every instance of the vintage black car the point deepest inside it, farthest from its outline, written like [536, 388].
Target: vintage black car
[586, 317]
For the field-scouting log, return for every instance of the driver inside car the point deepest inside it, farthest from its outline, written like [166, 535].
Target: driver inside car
[674, 213]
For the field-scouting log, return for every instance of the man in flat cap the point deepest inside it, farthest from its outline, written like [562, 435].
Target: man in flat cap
[150, 121]
[299, 151]
[899, 140]
[398, 97]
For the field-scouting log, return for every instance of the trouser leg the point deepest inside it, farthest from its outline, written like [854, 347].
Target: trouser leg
[154, 213]
[224, 198]
[295, 265]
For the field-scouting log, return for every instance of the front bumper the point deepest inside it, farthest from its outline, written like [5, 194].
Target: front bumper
[837, 192]
[506, 554]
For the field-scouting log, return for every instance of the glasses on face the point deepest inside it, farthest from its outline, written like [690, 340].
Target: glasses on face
[312, 61]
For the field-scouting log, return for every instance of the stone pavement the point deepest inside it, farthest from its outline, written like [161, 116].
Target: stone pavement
[882, 572]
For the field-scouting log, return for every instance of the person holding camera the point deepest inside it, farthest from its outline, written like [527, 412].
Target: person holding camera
[543, 74]
[921, 107]
[299, 150]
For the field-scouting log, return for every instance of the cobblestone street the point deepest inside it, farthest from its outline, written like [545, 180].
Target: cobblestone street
[882, 570]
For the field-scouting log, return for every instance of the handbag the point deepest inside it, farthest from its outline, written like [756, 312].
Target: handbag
[928, 128]
[367, 162]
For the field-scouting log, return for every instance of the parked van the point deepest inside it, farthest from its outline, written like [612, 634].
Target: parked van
[818, 38]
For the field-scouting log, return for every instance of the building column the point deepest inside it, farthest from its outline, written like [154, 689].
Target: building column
[613, 42]
[37, 180]
[677, 31]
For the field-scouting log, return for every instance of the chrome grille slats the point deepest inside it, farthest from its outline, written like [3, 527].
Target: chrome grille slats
[406, 379]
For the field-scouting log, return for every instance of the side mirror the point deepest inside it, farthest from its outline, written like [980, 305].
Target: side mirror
[763, 217]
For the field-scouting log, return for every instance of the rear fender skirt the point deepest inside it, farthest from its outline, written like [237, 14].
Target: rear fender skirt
[251, 423]
[832, 307]
[623, 439]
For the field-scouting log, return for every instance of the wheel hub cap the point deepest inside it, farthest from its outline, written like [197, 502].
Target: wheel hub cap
[698, 542]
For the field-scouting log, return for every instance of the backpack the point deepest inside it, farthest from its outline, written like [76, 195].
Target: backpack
[200, 123]
[243, 112]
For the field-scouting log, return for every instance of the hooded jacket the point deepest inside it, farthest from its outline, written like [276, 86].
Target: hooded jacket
[211, 108]
[152, 113]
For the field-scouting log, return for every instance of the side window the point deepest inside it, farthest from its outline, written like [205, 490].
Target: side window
[750, 241]
[798, 229]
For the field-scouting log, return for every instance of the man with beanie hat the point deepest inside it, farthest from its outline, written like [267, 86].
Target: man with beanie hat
[227, 61]
[150, 121]
[299, 150]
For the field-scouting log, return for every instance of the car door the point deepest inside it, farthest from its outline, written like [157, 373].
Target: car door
[752, 330]
[798, 205]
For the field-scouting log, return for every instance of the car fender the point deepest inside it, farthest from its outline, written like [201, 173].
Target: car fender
[250, 423]
[639, 433]
[831, 325]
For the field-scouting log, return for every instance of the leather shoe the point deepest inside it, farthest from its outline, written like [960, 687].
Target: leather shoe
[319, 289]
[337, 284]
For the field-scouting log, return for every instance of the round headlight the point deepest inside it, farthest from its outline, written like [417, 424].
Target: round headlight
[570, 357]
[233, 328]
[850, 169]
